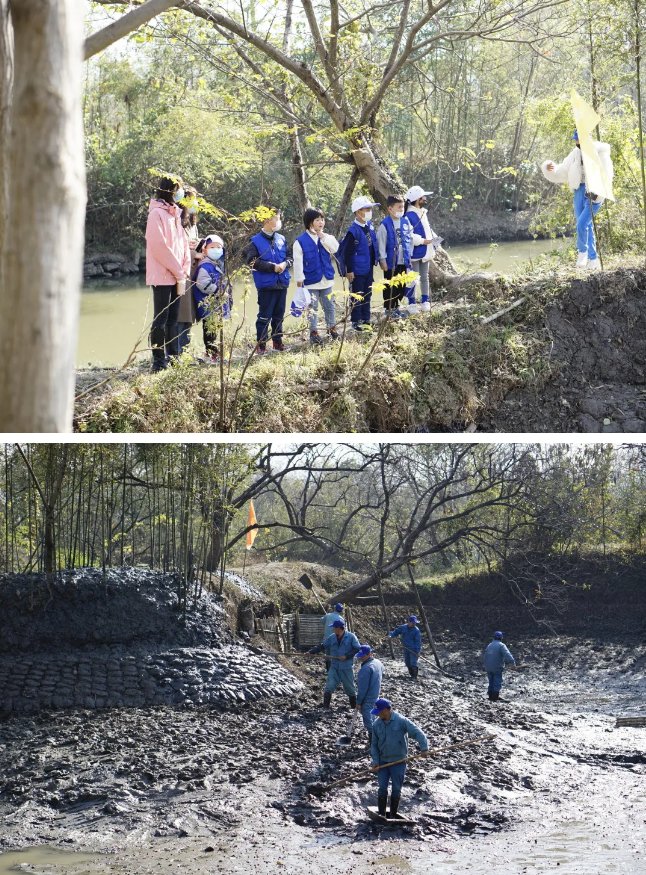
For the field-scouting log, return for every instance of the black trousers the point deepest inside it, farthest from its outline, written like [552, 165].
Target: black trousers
[394, 294]
[163, 331]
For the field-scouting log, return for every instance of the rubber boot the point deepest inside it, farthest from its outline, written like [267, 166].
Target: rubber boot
[415, 672]
[381, 804]
[327, 698]
[490, 695]
[411, 672]
[495, 697]
[353, 701]
[394, 805]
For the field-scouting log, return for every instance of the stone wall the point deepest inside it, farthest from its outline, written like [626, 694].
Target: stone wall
[110, 265]
[89, 640]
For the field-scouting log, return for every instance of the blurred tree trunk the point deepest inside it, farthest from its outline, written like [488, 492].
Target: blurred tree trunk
[44, 204]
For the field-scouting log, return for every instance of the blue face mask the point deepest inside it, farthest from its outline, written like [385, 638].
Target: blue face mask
[214, 253]
[179, 195]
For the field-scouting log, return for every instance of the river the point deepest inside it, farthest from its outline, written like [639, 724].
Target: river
[114, 313]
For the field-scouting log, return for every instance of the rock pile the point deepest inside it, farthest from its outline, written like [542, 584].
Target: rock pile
[109, 264]
[89, 640]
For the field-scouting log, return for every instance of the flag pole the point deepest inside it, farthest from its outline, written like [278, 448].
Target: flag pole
[594, 228]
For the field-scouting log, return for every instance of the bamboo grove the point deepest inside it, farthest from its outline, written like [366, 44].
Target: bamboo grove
[373, 509]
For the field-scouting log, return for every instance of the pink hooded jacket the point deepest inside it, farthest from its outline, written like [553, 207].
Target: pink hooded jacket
[168, 257]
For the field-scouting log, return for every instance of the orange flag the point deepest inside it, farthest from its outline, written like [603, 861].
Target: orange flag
[251, 521]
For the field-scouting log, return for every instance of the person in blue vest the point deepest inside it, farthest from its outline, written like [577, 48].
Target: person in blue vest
[369, 679]
[495, 657]
[395, 240]
[425, 242]
[389, 744]
[411, 643]
[361, 256]
[314, 271]
[340, 647]
[328, 619]
[268, 256]
[211, 292]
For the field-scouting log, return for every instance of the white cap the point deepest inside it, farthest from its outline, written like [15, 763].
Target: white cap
[416, 192]
[212, 238]
[362, 203]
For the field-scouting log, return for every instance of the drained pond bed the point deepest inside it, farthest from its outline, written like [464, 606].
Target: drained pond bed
[211, 789]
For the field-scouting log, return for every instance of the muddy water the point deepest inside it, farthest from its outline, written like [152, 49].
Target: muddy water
[115, 313]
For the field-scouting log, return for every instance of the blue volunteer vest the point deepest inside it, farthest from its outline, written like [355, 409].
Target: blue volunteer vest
[316, 260]
[418, 228]
[406, 231]
[199, 296]
[270, 250]
[363, 263]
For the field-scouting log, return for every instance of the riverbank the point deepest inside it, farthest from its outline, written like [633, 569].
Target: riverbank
[551, 351]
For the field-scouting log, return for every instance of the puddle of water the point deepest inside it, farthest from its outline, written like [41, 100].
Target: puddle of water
[114, 313]
[46, 860]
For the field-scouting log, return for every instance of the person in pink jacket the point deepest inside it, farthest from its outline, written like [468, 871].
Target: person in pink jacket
[168, 263]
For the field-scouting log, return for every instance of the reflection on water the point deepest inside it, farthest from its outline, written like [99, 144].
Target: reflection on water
[115, 313]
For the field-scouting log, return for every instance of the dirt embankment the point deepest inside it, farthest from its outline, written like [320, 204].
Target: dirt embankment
[597, 354]
[552, 353]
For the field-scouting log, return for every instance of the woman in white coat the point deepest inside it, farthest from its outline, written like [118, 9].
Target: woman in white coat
[571, 172]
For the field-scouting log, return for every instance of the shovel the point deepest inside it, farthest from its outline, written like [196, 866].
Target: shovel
[319, 789]
[352, 725]
[306, 580]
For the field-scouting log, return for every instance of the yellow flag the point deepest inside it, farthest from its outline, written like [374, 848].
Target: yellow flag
[251, 521]
[586, 120]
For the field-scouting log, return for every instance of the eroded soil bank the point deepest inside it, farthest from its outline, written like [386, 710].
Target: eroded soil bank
[206, 789]
[553, 351]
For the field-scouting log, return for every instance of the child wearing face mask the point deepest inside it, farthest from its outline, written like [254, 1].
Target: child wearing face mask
[168, 262]
[395, 239]
[425, 242]
[361, 255]
[211, 293]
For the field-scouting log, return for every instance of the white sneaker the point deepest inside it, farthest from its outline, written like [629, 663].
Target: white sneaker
[594, 264]
[425, 306]
[413, 309]
[582, 259]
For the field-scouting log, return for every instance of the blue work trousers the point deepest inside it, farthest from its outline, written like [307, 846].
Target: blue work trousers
[368, 718]
[411, 658]
[495, 681]
[394, 774]
[337, 677]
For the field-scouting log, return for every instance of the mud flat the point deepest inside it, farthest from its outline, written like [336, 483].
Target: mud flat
[224, 788]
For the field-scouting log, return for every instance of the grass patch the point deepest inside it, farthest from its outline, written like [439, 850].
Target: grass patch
[435, 372]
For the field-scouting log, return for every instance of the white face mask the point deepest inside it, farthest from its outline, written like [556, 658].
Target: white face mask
[399, 214]
[279, 225]
[214, 252]
[367, 215]
[179, 195]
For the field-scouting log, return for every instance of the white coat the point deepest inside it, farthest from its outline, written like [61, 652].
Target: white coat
[570, 170]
